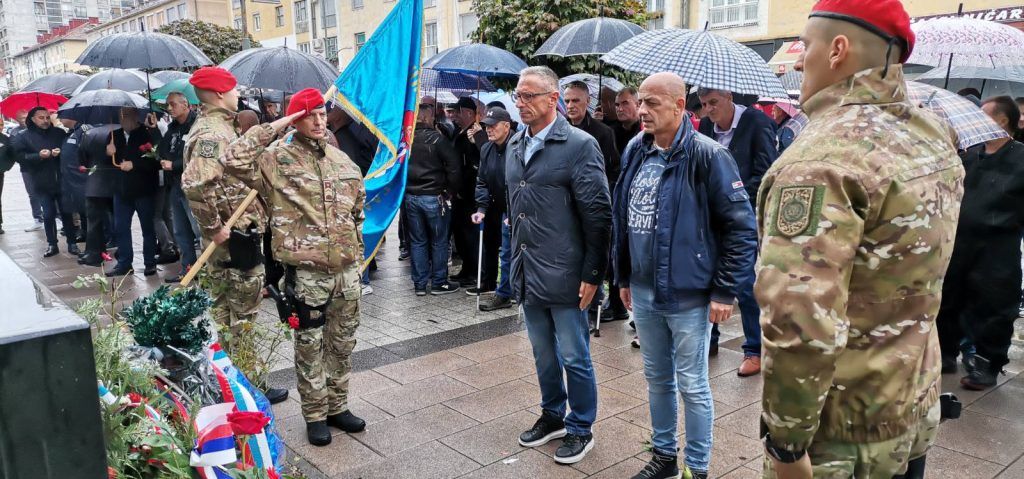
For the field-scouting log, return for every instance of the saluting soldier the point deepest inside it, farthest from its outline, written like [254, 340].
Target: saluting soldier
[857, 220]
[315, 197]
[236, 267]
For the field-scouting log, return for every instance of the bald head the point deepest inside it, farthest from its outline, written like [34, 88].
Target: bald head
[836, 50]
[662, 106]
[247, 119]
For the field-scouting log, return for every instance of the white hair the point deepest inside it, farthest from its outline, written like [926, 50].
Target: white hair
[546, 74]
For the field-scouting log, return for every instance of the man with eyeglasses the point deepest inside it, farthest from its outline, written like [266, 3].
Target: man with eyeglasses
[560, 214]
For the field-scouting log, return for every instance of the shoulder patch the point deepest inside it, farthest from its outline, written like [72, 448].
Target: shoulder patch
[207, 148]
[797, 210]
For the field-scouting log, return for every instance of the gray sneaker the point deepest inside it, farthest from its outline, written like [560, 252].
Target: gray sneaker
[495, 302]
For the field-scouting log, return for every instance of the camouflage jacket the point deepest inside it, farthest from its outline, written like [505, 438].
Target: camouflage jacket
[857, 220]
[315, 196]
[212, 196]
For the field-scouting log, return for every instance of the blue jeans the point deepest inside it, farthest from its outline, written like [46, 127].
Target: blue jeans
[674, 346]
[124, 210]
[428, 222]
[184, 229]
[505, 261]
[561, 342]
[750, 314]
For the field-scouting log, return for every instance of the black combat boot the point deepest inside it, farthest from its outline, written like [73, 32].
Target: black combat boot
[346, 421]
[317, 433]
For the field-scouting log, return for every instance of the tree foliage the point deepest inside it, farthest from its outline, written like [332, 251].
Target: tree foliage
[522, 26]
[215, 41]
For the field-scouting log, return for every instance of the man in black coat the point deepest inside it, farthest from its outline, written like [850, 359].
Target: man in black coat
[560, 210]
[132, 146]
[750, 136]
[468, 141]
[353, 138]
[100, 183]
[72, 178]
[38, 153]
[491, 200]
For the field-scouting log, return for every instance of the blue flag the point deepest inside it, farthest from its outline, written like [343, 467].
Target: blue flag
[380, 87]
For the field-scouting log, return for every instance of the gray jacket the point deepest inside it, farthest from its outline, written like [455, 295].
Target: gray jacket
[560, 213]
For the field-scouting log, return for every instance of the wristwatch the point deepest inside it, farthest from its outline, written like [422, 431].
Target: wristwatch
[782, 455]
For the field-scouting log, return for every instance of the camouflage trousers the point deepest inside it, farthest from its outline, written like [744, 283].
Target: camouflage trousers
[322, 355]
[876, 460]
[236, 300]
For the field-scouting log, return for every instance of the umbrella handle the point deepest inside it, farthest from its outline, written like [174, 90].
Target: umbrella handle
[113, 158]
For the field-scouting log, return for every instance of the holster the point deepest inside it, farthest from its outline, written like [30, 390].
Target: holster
[309, 316]
[245, 247]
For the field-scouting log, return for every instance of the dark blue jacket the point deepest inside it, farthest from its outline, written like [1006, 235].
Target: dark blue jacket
[560, 216]
[706, 235]
[753, 146]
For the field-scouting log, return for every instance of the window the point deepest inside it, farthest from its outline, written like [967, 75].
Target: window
[331, 48]
[304, 47]
[656, 10]
[256, 24]
[301, 23]
[279, 16]
[236, 4]
[330, 14]
[360, 39]
[182, 12]
[731, 13]
[171, 15]
[429, 40]
[467, 25]
[357, 4]
[238, 23]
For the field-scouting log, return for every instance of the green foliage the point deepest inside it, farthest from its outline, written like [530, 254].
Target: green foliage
[215, 41]
[163, 319]
[522, 26]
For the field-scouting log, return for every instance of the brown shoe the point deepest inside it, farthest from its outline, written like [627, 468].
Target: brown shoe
[751, 366]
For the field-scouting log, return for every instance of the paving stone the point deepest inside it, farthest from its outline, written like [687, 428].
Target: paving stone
[626, 359]
[432, 460]
[627, 468]
[1006, 401]
[745, 421]
[1015, 471]
[736, 391]
[611, 402]
[418, 395]
[527, 464]
[944, 462]
[495, 372]
[344, 452]
[496, 401]
[731, 450]
[633, 384]
[367, 412]
[406, 432]
[493, 440]
[364, 383]
[616, 441]
[727, 362]
[493, 348]
[984, 437]
[423, 367]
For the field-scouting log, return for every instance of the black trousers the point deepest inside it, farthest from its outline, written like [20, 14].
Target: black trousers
[273, 268]
[492, 249]
[981, 295]
[100, 228]
[464, 234]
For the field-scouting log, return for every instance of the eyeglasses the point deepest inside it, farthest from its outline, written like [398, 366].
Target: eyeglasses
[528, 97]
[426, 105]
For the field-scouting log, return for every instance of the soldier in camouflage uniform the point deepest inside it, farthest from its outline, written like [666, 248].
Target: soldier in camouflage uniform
[213, 197]
[857, 220]
[315, 195]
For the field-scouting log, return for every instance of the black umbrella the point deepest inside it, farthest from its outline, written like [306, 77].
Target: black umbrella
[593, 36]
[118, 79]
[477, 59]
[100, 106]
[280, 68]
[168, 76]
[59, 83]
[145, 50]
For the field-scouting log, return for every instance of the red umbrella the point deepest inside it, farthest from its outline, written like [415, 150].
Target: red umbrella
[11, 105]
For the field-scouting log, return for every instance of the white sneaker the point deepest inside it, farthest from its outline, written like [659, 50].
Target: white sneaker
[35, 227]
[367, 290]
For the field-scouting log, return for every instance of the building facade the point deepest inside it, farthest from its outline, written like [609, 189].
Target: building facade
[56, 52]
[153, 15]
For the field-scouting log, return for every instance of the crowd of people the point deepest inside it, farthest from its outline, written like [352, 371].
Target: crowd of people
[831, 226]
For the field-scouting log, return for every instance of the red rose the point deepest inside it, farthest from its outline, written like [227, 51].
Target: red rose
[293, 321]
[146, 148]
[134, 399]
[245, 423]
[111, 473]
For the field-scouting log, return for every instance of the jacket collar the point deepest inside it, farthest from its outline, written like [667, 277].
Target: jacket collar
[317, 147]
[684, 133]
[866, 87]
[559, 131]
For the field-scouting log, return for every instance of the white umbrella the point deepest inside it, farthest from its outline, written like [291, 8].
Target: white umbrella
[968, 41]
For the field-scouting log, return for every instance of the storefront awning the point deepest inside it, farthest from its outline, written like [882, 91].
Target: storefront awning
[786, 56]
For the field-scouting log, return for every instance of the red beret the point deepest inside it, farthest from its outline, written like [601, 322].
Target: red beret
[885, 18]
[215, 79]
[305, 100]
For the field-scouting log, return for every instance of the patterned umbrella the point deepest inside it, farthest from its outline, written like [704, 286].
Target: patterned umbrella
[59, 83]
[971, 124]
[594, 36]
[477, 59]
[701, 58]
[791, 81]
[969, 41]
[1001, 80]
